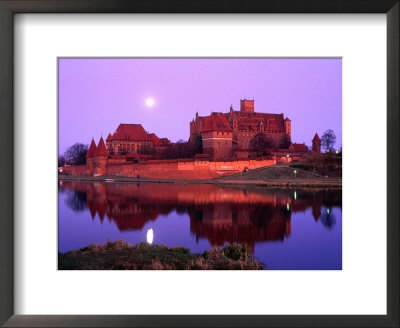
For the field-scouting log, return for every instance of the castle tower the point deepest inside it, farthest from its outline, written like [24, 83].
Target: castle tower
[108, 142]
[90, 161]
[216, 135]
[101, 158]
[316, 143]
[247, 106]
[288, 127]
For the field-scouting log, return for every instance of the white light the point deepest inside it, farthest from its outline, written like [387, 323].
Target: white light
[149, 102]
[150, 236]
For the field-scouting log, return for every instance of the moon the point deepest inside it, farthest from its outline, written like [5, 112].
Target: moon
[149, 102]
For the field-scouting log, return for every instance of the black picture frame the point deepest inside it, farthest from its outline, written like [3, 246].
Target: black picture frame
[10, 7]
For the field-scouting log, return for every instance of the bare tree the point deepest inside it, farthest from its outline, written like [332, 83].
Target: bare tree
[183, 149]
[61, 161]
[328, 140]
[261, 142]
[76, 154]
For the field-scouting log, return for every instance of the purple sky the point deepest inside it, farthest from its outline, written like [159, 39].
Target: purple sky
[95, 95]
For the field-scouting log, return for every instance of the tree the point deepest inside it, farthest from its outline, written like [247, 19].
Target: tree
[328, 140]
[76, 154]
[315, 161]
[260, 142]
[61, 161]
[285, 142]
[198, 145]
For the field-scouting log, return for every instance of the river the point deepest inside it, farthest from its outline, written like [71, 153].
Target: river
[287, 229]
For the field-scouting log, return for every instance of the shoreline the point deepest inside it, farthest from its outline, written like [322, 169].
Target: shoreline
[282, 183]
[121, 255]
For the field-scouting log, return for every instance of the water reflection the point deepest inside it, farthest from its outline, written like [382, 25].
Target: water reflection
[76, 200]
[218, 214]
[328, 219]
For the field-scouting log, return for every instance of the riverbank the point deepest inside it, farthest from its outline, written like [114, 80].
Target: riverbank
[285, 183]
[279, 175]
[121, 255]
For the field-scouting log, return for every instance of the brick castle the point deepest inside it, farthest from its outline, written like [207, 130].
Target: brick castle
[222, 144]
[227, 135]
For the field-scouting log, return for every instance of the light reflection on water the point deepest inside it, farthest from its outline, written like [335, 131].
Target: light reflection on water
[150, 236]
[285, 229]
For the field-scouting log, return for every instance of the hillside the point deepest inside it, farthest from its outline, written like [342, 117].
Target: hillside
[279, 173]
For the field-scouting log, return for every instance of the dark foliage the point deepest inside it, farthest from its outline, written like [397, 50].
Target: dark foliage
[286, 142]
[261, 142]
[76, 154]
[328, 219]
[61, 161]
[328, 140]
[76, 201]
[183, 149]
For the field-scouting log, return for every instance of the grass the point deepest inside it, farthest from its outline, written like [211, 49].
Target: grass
[120, 255]
[274, 172]
[301, 185]
[282, 175]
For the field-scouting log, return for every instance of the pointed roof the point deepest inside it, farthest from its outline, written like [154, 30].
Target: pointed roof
[216, 122]
[108, 137]
[101, 149]
[92, 149]
[154, 138]
[316, 212]
[164, 141]
[101, 210]
[130, 132]
[92, 208]
[316, 137]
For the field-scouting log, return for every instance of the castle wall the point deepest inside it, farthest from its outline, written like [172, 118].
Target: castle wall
[175, 169]
[90, 165]
[74, 170]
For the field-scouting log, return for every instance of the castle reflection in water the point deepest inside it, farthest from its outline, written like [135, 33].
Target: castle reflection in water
[219, 214]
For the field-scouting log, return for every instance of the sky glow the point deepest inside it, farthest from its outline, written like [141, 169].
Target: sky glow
[96, 95]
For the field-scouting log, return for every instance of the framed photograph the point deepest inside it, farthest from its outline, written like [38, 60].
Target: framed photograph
[199, 164]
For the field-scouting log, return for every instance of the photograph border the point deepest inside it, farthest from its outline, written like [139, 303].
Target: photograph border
[10, 7]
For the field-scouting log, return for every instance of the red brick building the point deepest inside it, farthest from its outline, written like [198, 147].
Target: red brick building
[228, 133]
[134, 140]
[216, 136]
[298, 149]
